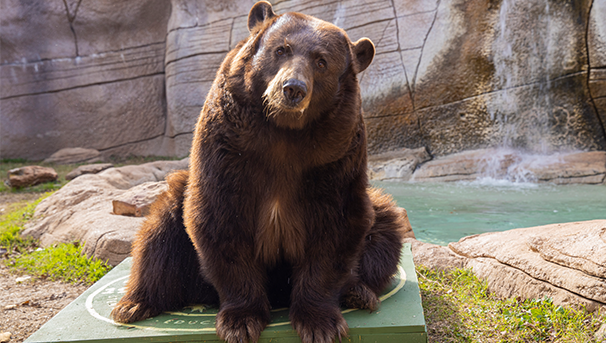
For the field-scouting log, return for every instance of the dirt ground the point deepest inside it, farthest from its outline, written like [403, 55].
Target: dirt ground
[8, 199]
[25, 306]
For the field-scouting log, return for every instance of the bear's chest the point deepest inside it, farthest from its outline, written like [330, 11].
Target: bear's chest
[280, 231]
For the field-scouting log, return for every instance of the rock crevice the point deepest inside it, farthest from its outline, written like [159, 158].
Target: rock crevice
[70, 18]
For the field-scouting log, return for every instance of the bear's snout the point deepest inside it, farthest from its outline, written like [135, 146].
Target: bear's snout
[294, 90]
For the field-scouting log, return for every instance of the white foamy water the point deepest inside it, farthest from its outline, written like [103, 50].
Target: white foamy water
[523, 56]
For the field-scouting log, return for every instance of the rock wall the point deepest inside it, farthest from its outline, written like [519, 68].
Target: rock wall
[82, 74]
[449, 75]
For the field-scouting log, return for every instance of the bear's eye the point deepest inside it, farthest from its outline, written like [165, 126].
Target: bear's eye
[321, 64]
[280, 51]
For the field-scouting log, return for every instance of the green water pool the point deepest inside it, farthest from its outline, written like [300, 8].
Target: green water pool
[446, 212]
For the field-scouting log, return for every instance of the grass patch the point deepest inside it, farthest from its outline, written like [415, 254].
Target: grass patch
[64, 262]
[459, 308]
[12, 223]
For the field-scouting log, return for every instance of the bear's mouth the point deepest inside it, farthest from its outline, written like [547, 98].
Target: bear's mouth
[286, 103]
[286, 115]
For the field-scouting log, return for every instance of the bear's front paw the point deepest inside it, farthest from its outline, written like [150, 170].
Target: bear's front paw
[238, 326]
[128, 312]
[362, 297]
[319, 326]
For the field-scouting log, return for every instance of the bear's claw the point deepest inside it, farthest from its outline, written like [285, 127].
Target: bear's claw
[321, 329]
[362, 297]
[235, 326]
[129, 312]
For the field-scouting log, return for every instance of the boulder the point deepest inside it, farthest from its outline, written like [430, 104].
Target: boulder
[558, 275]
[565, 262]
[396, 165]
[82, 210]
[87, 169]
[559, 168]
[30, 176]
[74, 155]
[435, 256]
[130, 176]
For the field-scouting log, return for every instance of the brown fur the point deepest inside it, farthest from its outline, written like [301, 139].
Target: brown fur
[276, 201]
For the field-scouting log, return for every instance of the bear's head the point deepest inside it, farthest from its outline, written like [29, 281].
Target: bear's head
[299, 65]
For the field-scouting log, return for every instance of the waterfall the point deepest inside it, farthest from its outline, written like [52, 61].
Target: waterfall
[523, 62]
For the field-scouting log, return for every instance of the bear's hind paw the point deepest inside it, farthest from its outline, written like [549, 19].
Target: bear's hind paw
[129, 312]
[362, 297]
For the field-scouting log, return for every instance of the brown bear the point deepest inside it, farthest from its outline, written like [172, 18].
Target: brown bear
[276, 206]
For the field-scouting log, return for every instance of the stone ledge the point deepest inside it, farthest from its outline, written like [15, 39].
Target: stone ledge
[559, 168]
[566, 262]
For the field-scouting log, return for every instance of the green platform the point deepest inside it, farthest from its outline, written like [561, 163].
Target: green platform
[86, 319]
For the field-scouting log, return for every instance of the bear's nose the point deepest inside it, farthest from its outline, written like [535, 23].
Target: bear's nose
[294, 90]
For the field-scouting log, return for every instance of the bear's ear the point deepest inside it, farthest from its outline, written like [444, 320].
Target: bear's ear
[364, 51]
[259, 13]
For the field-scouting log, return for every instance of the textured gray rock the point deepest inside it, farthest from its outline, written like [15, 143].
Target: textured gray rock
[82, 210]
[77, 73]
[583, 250]
[130, 176]
[396, 165]
[561, 261]
[517, 254]
[88, 169]
[435, 256]
[585, 167]
[559, 168]
[596, 44]
[74, 155]
[467, 166]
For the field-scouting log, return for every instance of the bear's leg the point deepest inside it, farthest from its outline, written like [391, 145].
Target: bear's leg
[380, 256]
[241, 284]
[165, 273]
[314, 307]
[225, 245]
